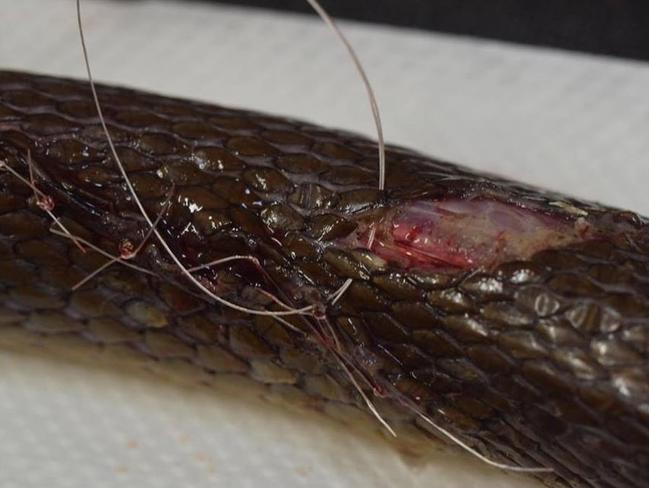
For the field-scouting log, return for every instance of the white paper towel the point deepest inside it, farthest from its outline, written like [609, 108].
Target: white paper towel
[571, 122]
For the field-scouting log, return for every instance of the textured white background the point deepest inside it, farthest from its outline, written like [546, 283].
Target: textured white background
[571, 122]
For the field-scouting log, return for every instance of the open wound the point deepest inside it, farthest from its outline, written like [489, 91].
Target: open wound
[465, 234]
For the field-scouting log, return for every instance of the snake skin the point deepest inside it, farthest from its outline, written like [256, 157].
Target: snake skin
[537, 361]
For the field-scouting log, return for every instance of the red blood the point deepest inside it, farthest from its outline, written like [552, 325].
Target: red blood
[467, 233]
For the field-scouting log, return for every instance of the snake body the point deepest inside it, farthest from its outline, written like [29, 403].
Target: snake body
[517, 319]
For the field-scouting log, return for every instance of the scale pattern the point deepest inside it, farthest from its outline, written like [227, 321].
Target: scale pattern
[539, 361]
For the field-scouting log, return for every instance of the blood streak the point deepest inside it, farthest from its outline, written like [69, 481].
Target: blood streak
[466, 234]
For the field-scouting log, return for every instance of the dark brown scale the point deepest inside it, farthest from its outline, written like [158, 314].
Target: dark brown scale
[539, 359]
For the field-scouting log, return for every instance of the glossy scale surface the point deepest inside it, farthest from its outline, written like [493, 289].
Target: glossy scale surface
[535, 361]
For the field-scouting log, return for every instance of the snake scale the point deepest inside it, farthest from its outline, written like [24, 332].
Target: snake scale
[516, 318]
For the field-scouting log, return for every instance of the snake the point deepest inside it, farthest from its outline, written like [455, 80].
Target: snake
[457, 305]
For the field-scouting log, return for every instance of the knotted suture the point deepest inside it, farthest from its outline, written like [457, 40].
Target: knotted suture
[42, 200]
[47, 204]
[127, 251]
